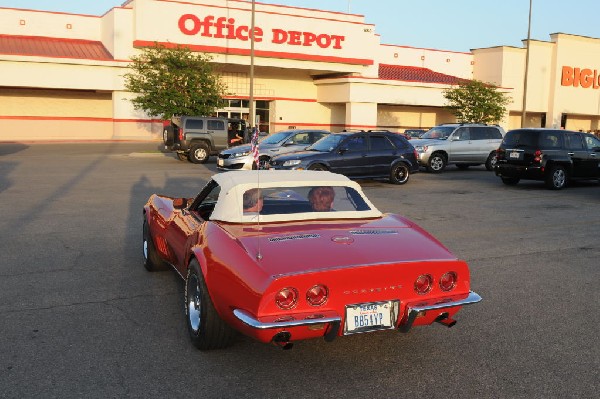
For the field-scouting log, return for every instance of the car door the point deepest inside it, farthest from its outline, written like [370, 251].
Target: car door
[184, 224]
[579, 154]
[382, 152]
[593, 148]
[218, 132]
[461, 148]
[350, 157]
[485, 139]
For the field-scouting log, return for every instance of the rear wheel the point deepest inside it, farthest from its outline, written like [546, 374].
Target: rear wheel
[556, 177]
[436, 163]
[199, 153]
[491, 161]
[510, 181]
[317, 166]
[206, 328]
[399, 173]
[152, 262]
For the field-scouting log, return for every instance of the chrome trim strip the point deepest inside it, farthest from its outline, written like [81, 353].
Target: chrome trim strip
[413, 311]
[249, 320]
[334, 268]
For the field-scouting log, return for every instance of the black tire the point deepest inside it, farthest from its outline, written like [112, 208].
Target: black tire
[152, 262]
[462, 166]
[206, 328]
[510, 181]
[400, 173]
[490, 163]
[182, 156]
[199, 153]
[168, 136]
[317, 166]
[437, 163]
[556, 177]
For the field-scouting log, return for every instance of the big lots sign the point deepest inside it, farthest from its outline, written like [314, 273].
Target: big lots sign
[226, 28]
[580, 77]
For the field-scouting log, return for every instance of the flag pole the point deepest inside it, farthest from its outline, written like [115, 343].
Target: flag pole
[251, 118]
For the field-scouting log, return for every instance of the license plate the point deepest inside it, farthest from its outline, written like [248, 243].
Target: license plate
[514, 155]
[371, 316]
[219, 162]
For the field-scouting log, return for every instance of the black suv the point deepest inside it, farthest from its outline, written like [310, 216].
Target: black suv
[359, 155]
[196, 138]
[551, 155]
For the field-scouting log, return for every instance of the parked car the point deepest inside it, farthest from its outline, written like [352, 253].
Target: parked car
[414, 133]
[258, 257]
[279, 143]
[550, 155]
[196, 138]
[374, 154]
[461, 144]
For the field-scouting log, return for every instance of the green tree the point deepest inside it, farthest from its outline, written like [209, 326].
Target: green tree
[474, 101]
[174, 81]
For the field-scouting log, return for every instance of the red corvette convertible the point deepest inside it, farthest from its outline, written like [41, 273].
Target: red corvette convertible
[283, 256]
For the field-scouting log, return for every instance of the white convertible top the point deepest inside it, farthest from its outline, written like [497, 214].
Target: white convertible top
[229, 207]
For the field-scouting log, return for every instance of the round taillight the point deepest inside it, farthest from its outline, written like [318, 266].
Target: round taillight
[317, 295]
[423, 284]
[448, 281]
[286, 298]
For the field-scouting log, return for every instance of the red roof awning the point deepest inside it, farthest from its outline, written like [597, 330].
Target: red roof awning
[416, 74]
[54, 47]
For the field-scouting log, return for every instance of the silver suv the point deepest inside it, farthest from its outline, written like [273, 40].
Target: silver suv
[462, 144]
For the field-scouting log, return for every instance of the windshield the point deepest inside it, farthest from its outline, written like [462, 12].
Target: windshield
[440, 133]
[327, 143]
[275, 138]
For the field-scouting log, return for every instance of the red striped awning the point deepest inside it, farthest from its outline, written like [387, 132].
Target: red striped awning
[54, 47]
[416, 74]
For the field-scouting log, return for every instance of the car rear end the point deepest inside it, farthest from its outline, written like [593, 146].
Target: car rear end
[360, 299]
[334, 279]
[520, 155]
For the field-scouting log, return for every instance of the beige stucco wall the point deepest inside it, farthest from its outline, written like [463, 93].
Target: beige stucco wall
[285, 72]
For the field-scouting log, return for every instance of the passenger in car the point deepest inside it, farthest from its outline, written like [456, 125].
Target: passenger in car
[252, 201]
[321, 198]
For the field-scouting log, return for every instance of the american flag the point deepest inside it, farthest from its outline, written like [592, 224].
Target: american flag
[254, 147]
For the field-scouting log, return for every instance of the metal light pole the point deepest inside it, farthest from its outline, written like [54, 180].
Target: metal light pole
[251, 118]
[527, 51]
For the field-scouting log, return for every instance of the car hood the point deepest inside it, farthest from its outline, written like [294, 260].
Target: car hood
[297, 155]
[290, 248]
[248, 147]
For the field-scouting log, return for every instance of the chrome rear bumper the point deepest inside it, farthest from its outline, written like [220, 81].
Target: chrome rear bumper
[414, 310]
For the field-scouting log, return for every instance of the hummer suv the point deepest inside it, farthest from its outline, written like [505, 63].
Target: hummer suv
[196, 138]
[464, 145]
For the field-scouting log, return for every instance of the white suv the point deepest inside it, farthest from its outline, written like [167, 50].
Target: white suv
[463, 144]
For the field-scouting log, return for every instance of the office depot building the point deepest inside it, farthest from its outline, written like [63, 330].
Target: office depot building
[61, 75]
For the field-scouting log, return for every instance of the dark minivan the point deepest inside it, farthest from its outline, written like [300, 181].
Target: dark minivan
[554, 156]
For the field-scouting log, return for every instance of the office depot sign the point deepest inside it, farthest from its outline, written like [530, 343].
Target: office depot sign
[226, 28]
[578, 77]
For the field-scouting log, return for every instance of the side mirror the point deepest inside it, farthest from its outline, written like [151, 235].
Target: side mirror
[343, 150]
[180, 203]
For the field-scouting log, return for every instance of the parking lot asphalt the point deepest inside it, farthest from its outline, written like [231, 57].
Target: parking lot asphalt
[80, 316]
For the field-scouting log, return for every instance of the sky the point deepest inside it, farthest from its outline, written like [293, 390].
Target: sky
[456, 25]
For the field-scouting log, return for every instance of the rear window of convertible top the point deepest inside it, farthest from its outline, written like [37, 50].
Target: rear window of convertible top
[287, 200]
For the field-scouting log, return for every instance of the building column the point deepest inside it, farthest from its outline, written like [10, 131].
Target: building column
[361, 116]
